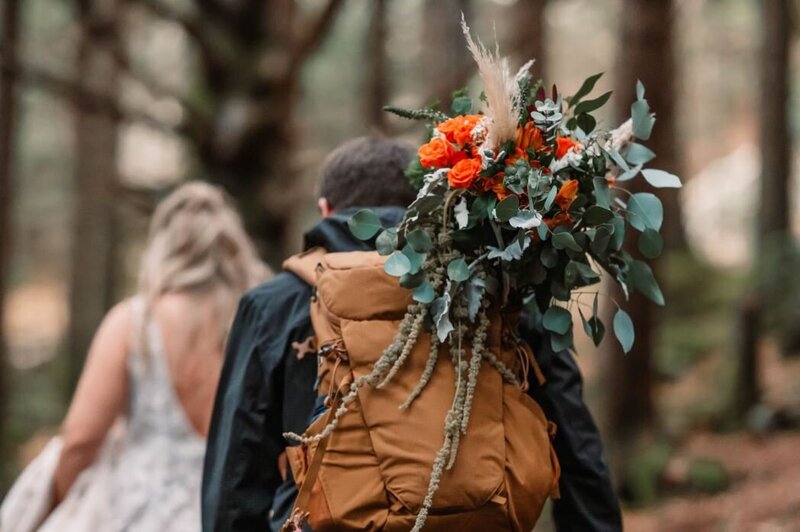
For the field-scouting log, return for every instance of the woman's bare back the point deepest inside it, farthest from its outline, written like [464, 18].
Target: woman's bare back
[193, 351]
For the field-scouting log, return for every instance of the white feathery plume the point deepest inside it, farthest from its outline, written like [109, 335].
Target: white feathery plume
[523, 70]
[499, 88]
[621, 136]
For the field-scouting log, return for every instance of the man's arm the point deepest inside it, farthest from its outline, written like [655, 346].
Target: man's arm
[588, 501]
[241, 464]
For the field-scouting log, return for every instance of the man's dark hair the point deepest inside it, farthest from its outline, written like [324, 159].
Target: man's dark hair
[367, 172]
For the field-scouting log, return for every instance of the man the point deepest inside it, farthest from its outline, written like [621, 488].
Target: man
[267, 383]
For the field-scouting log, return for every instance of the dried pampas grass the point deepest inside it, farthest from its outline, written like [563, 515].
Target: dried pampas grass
[499, 87]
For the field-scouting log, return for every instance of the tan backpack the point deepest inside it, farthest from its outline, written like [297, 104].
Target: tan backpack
[372, 472]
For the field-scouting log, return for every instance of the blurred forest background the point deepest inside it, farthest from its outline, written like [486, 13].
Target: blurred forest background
[105, 105]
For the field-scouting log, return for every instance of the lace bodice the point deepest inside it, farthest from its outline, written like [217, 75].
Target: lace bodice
[160, 464]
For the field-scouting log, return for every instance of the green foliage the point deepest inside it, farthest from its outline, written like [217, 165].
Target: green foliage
[397, 264]
[364, 224]
[426, 113]
[623, 330]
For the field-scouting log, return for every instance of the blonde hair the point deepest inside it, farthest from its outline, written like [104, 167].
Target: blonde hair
[197, 244]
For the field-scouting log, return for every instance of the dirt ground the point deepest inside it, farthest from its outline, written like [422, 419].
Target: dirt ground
[763, 497]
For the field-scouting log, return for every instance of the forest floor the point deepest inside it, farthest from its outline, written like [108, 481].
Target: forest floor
[763, 492]
[763, 495]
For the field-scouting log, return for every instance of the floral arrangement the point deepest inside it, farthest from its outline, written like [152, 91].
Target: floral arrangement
[526, 200]
[523, 201]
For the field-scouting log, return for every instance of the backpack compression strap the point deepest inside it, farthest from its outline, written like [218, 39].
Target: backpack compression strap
[304, 265]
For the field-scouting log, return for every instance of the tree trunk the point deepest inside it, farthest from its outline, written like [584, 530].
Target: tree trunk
[252, 96]
[646, 54]
[774, 124]
[93, 245]
[531, 35]
[774, 218]
[8, 115]
[376, 86]
[447, 65]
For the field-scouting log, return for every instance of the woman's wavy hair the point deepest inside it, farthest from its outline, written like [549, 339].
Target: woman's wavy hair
[197, 244]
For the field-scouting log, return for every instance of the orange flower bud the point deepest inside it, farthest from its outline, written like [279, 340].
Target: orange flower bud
[567, 194]
[563, 145]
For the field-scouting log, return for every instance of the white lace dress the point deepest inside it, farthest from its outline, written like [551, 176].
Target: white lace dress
[148, 477]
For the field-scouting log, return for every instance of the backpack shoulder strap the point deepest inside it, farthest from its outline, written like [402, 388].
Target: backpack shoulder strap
[304, 265]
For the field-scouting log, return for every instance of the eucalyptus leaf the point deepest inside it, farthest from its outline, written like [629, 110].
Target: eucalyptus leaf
[586, 272]
[629, 174]
[596, 215]
[619, 232]
[419, 240]
[643, 119]
[661, 179]
[397, 264]
[364, 224]
[623, 330]
[549, 257]
[601, 240]
[424, 293]
[551, 196]
[651, 244]
[571, 274]
[507, 209]
[458, 271]
[526, 220]
[565, 240]
[618, 159]
[639, 90]
[412, 280]
[645, 211]
[415, 259]
[386, 242]
[543, 231]
[561, 342]
[557, 319]
[602, 192]
[645, 282]
[638, 154]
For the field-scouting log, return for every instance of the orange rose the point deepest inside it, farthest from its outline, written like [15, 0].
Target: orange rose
[529, 137]
[567, 194]
[438, 153]
[459, 129]
[463, 173]
[563, 145]
[559, 219]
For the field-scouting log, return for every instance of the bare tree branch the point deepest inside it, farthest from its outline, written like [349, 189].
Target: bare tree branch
[307, 43]
[82, 96]
[194, 26]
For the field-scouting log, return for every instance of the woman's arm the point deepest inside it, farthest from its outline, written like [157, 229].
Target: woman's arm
[101, 395]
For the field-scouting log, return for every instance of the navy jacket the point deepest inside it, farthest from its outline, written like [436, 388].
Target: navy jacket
[265, 390]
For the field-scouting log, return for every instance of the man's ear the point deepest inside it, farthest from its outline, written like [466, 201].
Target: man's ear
[325, 208]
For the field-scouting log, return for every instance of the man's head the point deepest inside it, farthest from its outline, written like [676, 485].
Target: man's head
[365, 172]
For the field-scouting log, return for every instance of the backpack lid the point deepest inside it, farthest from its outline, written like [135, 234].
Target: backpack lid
[352, 285]
[305, 264]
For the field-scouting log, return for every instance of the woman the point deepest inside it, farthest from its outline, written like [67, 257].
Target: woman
[154, 363]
